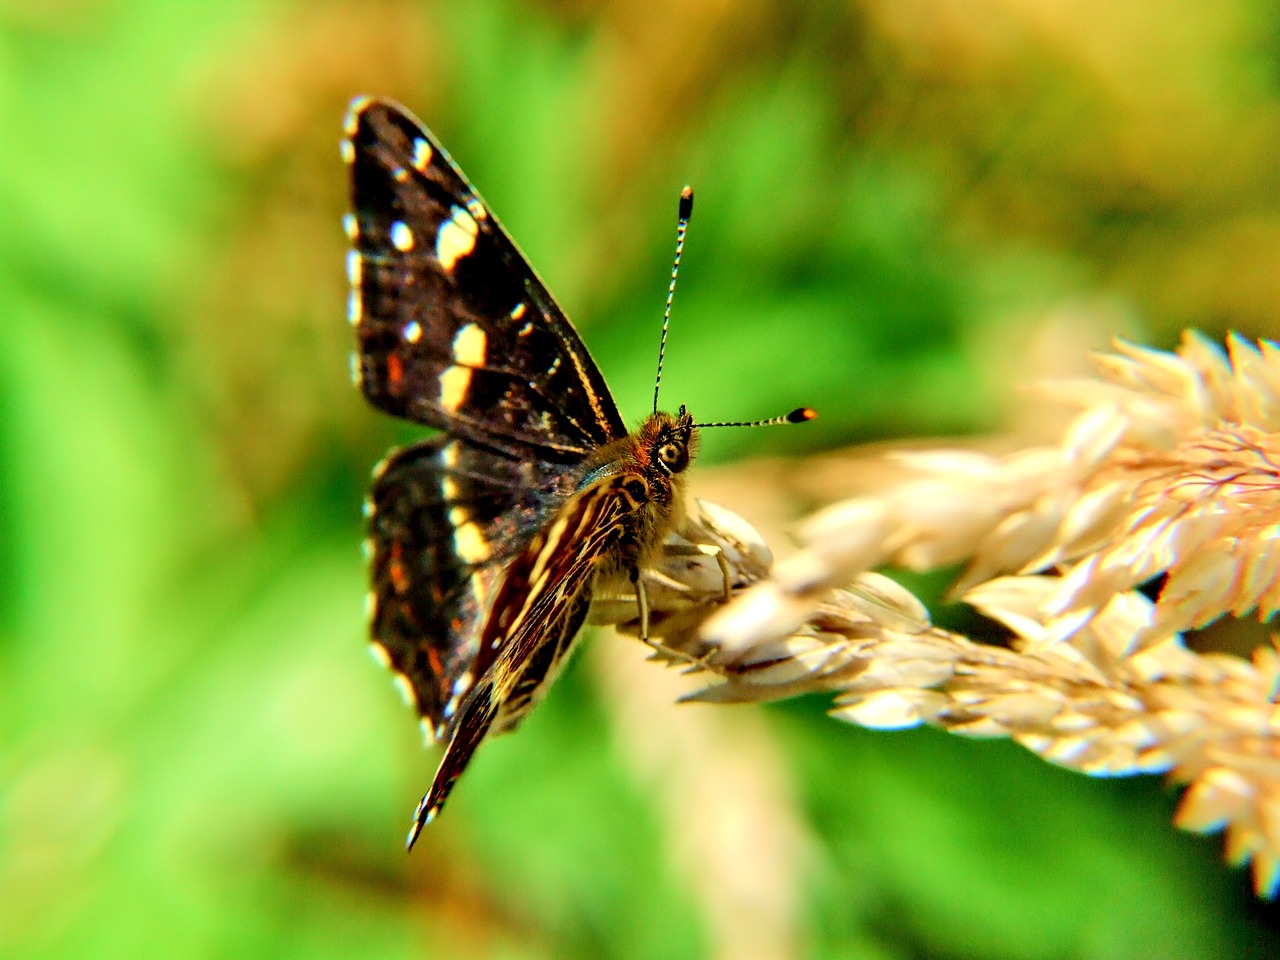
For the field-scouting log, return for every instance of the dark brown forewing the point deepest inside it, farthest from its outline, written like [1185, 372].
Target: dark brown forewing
[532, 622]
[443, 518]
[454, 328]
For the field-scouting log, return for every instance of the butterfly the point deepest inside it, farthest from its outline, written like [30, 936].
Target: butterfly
[487, 541]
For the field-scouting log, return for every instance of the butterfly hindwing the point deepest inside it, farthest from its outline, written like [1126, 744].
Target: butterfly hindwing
[444, 516]
[531, 624]
[454, 329]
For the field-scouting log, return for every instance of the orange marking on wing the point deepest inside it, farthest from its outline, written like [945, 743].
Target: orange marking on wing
[398, 578]
[395, 369]
[395, 569]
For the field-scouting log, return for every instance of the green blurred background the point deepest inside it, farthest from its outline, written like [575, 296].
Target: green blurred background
[904, 207]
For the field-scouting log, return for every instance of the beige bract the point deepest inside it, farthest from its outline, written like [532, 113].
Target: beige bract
[1171, 469]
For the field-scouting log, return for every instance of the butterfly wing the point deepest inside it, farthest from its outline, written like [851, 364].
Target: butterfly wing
[483, 556]
[534, 617]
[444, 516]
[455, 329]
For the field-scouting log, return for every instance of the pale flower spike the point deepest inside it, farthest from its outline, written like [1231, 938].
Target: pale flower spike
[1171, 469]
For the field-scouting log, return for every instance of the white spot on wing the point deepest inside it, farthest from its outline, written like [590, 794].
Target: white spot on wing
[355, 308]
[406, 690]
[454, 383]
[469, 348]
[380, 654]
[518, 311]
[355, 269]
[357, 377]
[421, 154]
[401, 236]
[470, 544]
[353, 114]
[413, 331]
[449, 454]
[476, 208]
[456, 238]
[401, 174]
[449, 489]
[459, 515]
[348, 151]
[459, 690]
[470, 345]
[349, 226]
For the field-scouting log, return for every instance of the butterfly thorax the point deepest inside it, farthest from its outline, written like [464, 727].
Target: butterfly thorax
[647, 465]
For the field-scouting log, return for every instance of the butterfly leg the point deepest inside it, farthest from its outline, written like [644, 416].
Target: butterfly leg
[642, 602]
[708, 550]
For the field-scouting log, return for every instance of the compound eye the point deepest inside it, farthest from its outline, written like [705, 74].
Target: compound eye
[669, 453]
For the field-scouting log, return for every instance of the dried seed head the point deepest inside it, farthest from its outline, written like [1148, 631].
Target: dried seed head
[1171, 469]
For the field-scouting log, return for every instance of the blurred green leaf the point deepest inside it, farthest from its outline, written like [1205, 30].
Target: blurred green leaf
[197, 758]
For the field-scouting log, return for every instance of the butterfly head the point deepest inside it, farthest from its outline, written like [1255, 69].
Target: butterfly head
[665, 443]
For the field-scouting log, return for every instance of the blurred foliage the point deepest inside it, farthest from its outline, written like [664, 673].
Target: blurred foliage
[904, 207]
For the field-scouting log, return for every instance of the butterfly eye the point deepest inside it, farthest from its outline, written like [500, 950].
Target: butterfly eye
[670, 454]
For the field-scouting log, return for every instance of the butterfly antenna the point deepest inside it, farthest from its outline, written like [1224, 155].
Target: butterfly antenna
[799, 415]
[686, 211]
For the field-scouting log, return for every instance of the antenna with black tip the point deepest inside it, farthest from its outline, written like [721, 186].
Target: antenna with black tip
[686, 211]
[799, 415]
